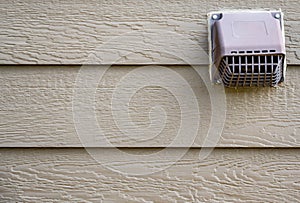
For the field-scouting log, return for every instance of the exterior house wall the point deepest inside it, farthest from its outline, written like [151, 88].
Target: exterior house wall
[43, 46]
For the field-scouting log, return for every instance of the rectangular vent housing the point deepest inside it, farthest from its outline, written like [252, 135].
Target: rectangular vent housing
[247, 48]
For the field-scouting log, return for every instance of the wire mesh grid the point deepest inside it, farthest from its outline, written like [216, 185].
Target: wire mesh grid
[251, 70]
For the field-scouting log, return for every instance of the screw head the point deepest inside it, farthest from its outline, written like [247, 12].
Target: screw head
[219, 81]
[277, 15]
[215, 16]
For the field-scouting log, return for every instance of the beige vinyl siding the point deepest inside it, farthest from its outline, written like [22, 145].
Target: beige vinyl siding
[228, 175]
[55, 32]
[36, 109]
[42, 47]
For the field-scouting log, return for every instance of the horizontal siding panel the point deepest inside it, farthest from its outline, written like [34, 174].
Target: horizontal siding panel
[227, 175]
[36, 109]
[162, 32]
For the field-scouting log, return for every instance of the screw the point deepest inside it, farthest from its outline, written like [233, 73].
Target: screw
[215, 17]
[219, 81]
[277, 15]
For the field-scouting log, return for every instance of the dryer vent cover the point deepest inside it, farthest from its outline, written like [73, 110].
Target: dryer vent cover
[247, 48]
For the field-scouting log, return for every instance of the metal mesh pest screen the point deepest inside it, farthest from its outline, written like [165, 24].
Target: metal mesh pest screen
[251, 70]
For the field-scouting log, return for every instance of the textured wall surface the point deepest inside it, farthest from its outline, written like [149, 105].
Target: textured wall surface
[42, 47]
[36, 109]
[55, 32]
[228, 175]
